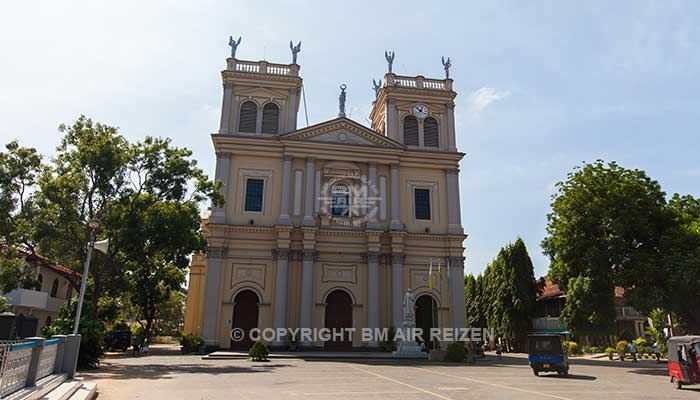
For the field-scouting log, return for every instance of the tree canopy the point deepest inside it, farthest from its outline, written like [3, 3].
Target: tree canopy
[611, 226]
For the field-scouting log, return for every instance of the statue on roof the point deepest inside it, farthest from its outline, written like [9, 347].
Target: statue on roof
[295, 49]
[341, 100]
[389, 55]
[447, 64]
[234, 45]
[376, 86]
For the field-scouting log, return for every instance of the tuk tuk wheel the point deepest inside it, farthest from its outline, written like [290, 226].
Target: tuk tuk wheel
[676, 383]
[536, 372]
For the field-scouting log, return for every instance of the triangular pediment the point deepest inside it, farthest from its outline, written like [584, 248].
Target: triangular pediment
[343, 131]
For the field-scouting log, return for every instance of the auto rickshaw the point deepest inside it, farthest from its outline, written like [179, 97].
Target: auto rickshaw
[547, 353]
[683, 360]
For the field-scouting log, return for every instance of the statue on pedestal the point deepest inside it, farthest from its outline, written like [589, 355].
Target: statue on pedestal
[409, 315]
[389, 55]
[341, 100]
[234, 45]
[408, 348]
[376, 86]
[295, 49]
[446, 64]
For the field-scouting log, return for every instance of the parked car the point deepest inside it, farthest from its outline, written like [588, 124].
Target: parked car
[118, 339]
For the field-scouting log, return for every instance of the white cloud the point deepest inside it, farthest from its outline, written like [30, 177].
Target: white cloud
[482, 98]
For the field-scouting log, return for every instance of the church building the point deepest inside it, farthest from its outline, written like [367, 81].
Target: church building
[328, 225]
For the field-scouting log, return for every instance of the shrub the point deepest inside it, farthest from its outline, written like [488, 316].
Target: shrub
[591, 349]
[455, 352]
[572, 348]
[640, 342]
[190, 343]
[621, 347]
[610, 351]
[258, 351]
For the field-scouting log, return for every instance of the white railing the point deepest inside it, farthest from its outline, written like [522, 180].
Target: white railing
[15, 367]
[418, 82]
[262, 67]
[47, 359]
[627, 312]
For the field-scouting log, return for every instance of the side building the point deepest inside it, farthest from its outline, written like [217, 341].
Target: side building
[328, 225]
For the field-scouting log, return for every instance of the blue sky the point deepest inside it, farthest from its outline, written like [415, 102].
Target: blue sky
[543, 85]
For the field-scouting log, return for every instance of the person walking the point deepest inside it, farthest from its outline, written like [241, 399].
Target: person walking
[633, 351]
[657, 353]
[499, 350]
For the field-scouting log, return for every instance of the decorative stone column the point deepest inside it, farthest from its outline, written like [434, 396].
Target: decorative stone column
[286, 191]
[281, 282]
[307, 290]
[451, 136]
[395, 212]
[226, 109]
[223, 167]
[373, 293]
[454, 215]
[309, 193]
[458, 306]
[373, 195]
[292, 112]
[397, 260]
[212, 296]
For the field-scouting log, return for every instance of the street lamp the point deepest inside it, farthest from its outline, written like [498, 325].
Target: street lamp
[101, 246]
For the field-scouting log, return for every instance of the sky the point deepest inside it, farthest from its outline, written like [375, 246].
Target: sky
[542, 85]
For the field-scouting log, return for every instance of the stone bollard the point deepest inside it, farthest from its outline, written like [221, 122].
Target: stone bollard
[60, 351]
[70, 355]
[34, 363]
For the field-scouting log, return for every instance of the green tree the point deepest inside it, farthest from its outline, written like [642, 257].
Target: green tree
[19, 170]
[605, 227]
[509, 294]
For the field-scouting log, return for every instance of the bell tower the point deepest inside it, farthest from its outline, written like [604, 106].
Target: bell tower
[260, 98]
[415, 111]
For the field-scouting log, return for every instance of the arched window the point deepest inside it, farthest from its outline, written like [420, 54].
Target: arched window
[430, 133]
[270, 118]
[54, 288]
[340, 200]
[248, 117]
[410, 131]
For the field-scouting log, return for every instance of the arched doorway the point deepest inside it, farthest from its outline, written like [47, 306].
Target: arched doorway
[245, 317]
[426, 316]
[339, 316]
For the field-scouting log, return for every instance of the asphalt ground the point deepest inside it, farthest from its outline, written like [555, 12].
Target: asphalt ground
[165, 374]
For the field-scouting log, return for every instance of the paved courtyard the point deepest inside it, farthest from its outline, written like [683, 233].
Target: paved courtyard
[168, 375]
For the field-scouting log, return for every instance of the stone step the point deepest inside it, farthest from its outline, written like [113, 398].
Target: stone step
[87, 391]
[64, 391]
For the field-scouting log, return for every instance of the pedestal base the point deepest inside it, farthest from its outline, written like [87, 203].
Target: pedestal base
[409, 350]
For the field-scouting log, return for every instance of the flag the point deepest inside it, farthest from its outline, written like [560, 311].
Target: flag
[430, 274]
[449, 275]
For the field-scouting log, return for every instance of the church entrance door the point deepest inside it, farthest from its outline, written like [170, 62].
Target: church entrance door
[339, 316]
[426, 317]
[245, 317]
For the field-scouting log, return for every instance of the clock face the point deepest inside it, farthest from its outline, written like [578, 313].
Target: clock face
[420, 110]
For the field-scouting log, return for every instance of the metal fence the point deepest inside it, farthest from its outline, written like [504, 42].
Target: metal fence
[26, 363]
[15, 366]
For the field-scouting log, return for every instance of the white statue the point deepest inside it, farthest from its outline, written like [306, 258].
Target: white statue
[409, 316]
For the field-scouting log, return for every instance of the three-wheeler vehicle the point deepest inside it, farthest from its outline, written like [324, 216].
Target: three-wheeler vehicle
[683, 360]
[547, 353]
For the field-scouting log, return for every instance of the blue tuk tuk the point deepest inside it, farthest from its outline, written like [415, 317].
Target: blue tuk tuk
[547, 353]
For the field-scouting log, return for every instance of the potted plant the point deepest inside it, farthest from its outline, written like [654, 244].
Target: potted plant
[610, 352]
[258, 351]
[622, 347]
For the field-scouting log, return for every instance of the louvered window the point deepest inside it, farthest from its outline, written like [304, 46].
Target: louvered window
[270, 118]
[422, 203]
[254, 194]
[410, 131]
[430, 133]
[248, 117]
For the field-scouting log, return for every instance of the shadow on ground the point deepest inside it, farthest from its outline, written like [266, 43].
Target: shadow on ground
[167, 371]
